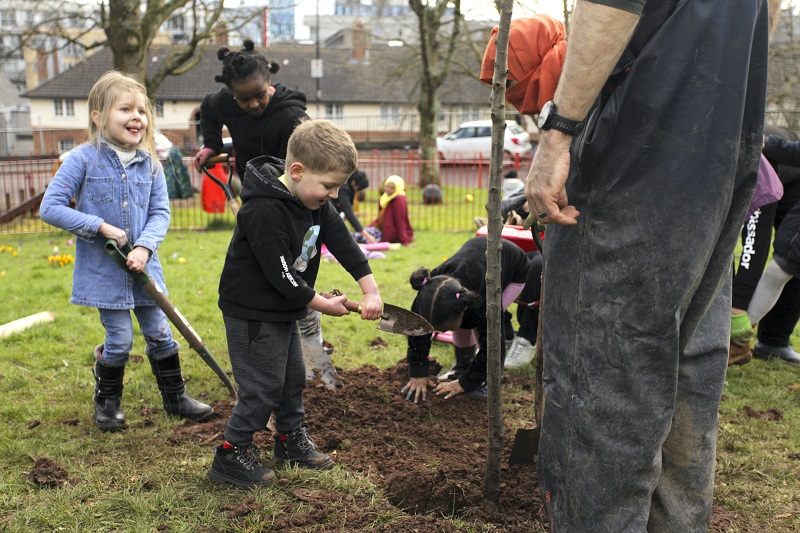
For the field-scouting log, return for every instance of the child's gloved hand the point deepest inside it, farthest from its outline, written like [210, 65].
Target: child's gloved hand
[741, 329]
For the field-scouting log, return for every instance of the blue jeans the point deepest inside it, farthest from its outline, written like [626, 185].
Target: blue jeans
[119, 334]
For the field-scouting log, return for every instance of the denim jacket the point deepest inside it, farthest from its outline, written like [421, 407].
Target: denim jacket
[133, 198]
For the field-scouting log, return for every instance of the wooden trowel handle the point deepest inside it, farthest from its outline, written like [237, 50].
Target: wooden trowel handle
[350, 306]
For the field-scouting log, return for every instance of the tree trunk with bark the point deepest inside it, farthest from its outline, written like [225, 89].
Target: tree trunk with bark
[438, 38]
[494, 290]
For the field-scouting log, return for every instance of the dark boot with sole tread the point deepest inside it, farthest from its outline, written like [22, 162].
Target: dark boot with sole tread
[240, 466]
[173, 392]
[301, 451]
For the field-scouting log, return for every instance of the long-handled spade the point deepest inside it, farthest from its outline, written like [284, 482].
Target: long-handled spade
[526, 441]
[120, 258]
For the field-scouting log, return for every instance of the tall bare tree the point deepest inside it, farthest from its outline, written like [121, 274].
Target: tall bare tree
[494, 309]
[131, 25]
[783, 95]
[129, 28]
[438, 38]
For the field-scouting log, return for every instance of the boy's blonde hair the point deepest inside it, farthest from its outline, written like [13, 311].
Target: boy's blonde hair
[322, 146]
[102, 97]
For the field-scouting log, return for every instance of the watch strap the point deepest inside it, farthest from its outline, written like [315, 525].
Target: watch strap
[564, 125]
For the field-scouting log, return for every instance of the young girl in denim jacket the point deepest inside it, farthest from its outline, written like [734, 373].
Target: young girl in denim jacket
[120, 193]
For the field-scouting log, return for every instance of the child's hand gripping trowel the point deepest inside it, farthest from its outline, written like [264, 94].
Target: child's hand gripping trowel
[120, 258]
[394, 319]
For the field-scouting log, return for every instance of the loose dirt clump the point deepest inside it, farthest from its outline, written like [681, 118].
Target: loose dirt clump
[769, 414]
[249, 505]
[45, 473]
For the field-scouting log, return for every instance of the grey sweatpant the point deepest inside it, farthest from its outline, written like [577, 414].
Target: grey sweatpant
[267, 361]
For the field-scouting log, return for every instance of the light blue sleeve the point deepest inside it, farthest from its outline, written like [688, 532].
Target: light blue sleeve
[158, 214]
[66, 185]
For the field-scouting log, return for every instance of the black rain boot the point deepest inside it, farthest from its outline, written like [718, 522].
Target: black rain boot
[170, 383]
[107, 397]
[463, 359]
[300, 450]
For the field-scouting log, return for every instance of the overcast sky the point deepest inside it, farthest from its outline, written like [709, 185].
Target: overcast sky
[473, 9]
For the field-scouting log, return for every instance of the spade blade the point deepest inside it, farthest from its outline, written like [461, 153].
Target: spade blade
[404, 322]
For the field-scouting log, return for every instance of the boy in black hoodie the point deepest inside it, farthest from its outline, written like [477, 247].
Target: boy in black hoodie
[267, 283]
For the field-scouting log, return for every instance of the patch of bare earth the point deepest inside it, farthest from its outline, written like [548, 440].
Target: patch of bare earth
[428, 459]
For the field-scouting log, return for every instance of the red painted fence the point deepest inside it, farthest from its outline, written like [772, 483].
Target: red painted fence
[464, 185]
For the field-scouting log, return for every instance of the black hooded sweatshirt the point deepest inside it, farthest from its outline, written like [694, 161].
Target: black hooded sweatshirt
[267, 134]
[273, 258]
[468, 266]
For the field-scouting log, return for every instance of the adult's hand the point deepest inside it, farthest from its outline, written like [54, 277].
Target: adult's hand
[201, 157]
[417, 388]
[545, 185]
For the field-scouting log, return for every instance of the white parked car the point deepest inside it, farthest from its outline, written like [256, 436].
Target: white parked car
[474, 139]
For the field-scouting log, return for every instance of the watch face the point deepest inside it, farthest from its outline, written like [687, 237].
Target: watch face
[544, 114]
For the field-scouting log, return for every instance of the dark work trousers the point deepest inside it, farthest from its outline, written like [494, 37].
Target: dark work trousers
[637, 296]
[267, 362]
[528, 315]
[776, 328]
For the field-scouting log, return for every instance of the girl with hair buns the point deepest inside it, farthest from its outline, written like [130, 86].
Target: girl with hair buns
[260, 117]
[452, 297]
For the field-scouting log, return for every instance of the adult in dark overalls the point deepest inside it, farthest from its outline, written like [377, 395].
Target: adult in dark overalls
[644, 172]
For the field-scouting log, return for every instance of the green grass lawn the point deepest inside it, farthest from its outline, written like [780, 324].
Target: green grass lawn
[130, 481]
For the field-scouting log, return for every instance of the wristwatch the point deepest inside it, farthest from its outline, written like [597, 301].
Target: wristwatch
[550, 119]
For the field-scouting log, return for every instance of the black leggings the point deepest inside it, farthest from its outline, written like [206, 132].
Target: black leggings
[777, 326]
[528, 316]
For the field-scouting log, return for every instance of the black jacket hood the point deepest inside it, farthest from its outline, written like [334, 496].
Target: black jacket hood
[261, 180]
[283, 98]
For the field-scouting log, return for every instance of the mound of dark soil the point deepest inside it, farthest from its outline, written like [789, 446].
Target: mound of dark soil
[429, 459]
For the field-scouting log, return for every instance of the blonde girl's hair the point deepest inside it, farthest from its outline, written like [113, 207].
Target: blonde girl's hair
[102, 97]
[322, 146]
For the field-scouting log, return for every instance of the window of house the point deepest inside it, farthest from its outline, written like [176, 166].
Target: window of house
[160, 108]
[470, 113]
[176, 23]
[8, 18]
[390, 114]
[334, 111]
[63, 108]
[65, 145]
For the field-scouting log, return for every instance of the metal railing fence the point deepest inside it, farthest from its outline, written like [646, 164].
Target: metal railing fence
[464, 184]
